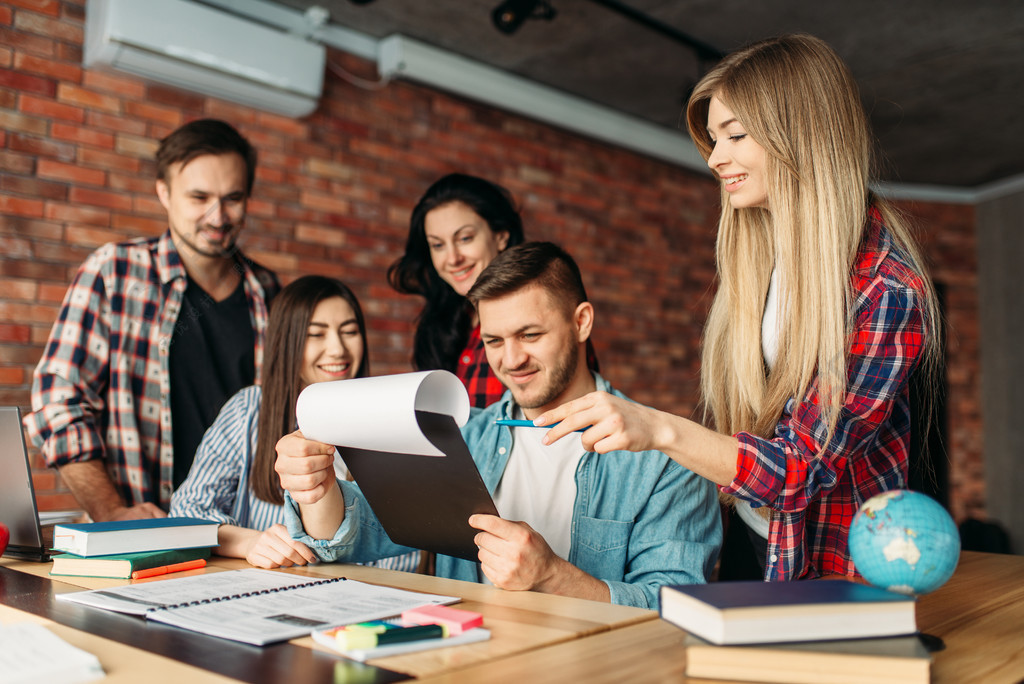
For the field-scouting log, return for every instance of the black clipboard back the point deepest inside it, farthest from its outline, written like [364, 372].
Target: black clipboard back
[425, 501]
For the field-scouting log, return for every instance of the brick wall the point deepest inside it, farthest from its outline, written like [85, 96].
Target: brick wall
[333, 195]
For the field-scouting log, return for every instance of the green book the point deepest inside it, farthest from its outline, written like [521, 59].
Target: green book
[122, 565]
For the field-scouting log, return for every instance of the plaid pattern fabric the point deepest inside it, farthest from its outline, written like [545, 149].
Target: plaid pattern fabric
[813, 500]
[102, 387]
[472, 368]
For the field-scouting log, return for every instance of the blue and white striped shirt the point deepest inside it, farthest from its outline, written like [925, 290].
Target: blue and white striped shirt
[217, 487]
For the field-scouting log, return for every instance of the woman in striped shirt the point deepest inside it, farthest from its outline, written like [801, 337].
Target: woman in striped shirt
[315, 333]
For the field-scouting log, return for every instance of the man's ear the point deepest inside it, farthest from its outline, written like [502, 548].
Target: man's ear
[163, 191]
[583, 317]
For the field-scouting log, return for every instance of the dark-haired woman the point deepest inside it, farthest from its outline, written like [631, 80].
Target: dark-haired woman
[315, 333]
[459, 225]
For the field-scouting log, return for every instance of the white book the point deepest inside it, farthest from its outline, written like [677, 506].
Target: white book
[256, 606]
[134, 536]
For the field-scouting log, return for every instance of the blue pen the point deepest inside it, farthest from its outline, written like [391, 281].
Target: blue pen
[528, 423]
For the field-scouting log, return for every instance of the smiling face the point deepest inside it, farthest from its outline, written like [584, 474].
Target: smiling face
[737, 159]
[205, 202]
[461, 244]
[534, 346]
[334, 345]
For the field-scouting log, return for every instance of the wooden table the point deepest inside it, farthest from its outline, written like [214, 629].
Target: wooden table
[979, 614]
[519, 622]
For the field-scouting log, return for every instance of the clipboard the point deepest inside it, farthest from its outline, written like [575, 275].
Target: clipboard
[420, 501]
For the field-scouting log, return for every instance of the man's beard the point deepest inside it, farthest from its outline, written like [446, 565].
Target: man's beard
[561, 376]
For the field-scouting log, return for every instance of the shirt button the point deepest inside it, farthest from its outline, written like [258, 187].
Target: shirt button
[774, 558]
[466, 359]
[501, 450]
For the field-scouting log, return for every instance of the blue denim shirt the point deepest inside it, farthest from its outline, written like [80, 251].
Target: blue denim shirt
[639, 521]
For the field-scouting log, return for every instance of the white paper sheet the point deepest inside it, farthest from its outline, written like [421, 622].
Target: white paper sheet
[379, 413]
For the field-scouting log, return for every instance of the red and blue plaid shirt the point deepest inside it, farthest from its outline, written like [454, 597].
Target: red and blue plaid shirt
[813, 499]
[481, 383]
[102, 388]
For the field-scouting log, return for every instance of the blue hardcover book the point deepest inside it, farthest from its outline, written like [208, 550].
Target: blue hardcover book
[134, 536]
[772, 612]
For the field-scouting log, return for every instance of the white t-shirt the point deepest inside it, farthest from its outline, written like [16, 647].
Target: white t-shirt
[538, 486]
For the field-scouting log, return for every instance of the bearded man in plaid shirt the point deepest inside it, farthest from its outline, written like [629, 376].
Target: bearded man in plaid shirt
[155, 334]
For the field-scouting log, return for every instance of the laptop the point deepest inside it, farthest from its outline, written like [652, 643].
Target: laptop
[17, 497]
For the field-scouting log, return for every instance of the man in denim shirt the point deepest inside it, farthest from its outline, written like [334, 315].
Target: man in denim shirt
[611, 527]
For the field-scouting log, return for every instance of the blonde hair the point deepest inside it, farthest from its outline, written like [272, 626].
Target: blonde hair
[797, 99]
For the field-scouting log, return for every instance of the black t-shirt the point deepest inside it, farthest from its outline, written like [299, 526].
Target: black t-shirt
[212, 356]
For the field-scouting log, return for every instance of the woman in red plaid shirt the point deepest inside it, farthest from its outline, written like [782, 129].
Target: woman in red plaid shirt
[823, 310]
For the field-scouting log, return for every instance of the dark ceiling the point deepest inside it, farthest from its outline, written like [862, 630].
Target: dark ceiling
[942, 80]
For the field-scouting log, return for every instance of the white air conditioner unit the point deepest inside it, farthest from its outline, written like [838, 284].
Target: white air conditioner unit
[197, 48]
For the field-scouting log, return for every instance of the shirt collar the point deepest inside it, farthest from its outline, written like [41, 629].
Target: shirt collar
[168, 261]
[875, 246]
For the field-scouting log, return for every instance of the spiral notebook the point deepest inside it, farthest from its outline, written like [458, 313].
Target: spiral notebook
[256, 606]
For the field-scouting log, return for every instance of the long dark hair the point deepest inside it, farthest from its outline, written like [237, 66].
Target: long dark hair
[287, 329]
[443, 326]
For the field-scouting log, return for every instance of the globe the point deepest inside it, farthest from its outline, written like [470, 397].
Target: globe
[904, 541]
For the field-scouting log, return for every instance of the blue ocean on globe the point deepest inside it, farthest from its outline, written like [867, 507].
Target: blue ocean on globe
[904, 541]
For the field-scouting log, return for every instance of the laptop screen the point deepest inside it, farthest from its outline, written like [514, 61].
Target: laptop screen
[17, 497]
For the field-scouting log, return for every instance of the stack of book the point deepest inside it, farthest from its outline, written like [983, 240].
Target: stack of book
[132, 548]
[811, 631]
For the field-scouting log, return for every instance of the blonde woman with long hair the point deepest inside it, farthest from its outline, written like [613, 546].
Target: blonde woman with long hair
[822, 312]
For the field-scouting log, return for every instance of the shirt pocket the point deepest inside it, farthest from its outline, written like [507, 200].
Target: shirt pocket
[602, 546]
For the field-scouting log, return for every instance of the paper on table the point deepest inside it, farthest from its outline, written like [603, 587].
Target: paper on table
[31, 653]
[379, 413]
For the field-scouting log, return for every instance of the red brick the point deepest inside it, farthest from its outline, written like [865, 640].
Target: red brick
[44, 481]
[81, 134]
[12, 375]
[18, 40]
[150, 112]
[20, 206]
[70, 172]
[31, 228]
[140, 184]
[26, 82]
[14, 333]
[51, 293]
[5, 16]
[177, 98]
[11, 121]
[144, 148]
[48, 7]
[133, 224]
[51, 109]
[90, 99]
[66, 52]
[92, 237]
[33, 187]
[124, 85]
[57, 502]
[148, 205]
[45, 26]
[325, 203]
[17, 163]
[41, 147]
[100, 198]
[76, 214]
[63, 71]
[111, 161]
[117, 124]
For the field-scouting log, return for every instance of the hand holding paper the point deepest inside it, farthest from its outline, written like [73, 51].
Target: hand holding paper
[306, 467]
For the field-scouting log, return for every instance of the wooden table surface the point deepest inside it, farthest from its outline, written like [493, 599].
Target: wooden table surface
[979, 614]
